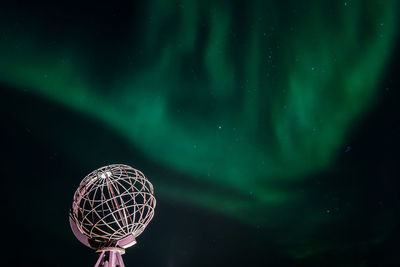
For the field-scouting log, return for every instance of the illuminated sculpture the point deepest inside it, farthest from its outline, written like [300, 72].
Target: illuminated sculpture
[111, 207]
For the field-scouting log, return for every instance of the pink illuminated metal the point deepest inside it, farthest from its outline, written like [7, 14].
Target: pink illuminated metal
[111, 207]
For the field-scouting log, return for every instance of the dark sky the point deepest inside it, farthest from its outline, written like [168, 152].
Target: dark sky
[269, 129]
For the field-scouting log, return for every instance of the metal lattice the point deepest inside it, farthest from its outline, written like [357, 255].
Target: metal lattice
[112, 203]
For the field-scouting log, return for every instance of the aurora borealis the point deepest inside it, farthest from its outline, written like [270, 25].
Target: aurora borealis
[245, 100]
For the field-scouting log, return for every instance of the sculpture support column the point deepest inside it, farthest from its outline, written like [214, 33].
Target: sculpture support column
[110, 258]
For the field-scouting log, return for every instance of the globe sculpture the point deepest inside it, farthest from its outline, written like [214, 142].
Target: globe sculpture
[111, 208]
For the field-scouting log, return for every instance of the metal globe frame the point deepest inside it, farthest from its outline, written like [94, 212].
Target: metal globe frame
[111, 208]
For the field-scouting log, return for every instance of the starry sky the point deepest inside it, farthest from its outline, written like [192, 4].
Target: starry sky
[268, 128]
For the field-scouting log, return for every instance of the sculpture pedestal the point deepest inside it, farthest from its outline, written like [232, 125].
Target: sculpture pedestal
[110, 257]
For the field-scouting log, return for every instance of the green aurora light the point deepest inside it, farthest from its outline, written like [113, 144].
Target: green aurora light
[241, 96]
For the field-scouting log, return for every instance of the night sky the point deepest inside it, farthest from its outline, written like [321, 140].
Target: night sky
[269, 129]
